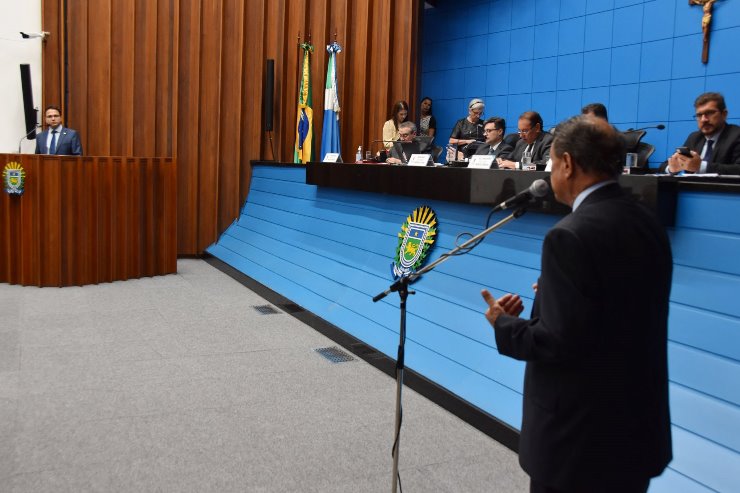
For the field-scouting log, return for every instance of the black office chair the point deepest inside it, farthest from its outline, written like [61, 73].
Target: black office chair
[511, 139]
[632, 139]
[644, 151]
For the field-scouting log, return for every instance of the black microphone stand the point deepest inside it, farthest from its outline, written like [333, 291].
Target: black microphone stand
[25, 136]
[402, 287]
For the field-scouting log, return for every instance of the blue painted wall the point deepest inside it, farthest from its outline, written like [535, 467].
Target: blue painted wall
[329, 250]
[641, 58]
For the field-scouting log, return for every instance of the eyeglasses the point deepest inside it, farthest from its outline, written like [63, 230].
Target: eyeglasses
[708, 114]
[524, 132]
[489, 130]
[403, 136]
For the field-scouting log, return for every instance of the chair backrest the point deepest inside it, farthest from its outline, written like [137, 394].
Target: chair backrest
[632, 139]
[644, 151]
[511, 139]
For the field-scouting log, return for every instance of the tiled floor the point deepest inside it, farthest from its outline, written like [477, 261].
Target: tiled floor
[177, 384]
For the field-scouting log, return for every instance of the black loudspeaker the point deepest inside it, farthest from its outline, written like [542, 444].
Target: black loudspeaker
[28, 108]
[268, 94]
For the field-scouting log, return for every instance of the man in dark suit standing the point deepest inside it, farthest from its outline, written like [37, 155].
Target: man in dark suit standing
[595, 416]
[534, 142]
[715, 147]
[494, 129]
[57, 139]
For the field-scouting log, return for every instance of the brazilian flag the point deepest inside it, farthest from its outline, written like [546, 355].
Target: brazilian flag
[304, 122]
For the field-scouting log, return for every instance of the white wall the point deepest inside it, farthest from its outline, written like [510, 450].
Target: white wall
[16, 16]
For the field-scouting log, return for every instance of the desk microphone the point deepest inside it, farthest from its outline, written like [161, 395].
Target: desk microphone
[381, 141]
[659, 126]
[538, 188]
[25, 136]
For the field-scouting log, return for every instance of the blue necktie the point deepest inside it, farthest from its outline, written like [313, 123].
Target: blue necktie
[53, 145]
[708, 154]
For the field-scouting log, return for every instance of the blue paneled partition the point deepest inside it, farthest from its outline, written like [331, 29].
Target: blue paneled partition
[329, 250]
[641, 58]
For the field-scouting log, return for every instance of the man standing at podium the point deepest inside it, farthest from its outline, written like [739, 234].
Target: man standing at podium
[56, 139]
[595, 416]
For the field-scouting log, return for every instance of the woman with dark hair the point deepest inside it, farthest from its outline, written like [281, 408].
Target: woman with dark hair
[427, 122]
[399, 114]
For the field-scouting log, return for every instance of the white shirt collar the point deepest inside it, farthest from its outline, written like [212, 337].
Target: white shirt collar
[585, 193]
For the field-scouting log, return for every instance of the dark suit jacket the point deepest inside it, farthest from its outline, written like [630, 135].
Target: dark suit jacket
[540, 151]
[596, 380]
[725, 152]
[503, 150]
[68, 143]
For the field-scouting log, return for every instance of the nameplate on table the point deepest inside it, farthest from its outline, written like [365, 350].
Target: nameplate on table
[332, 157]
[483, 161]
[420, 159]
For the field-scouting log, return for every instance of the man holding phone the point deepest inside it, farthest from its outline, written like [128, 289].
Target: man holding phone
[715, 147]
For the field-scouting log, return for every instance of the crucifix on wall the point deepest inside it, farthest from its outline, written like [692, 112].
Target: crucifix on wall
[706, 23]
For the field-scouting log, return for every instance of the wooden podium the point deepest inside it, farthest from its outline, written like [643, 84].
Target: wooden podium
[87, 220]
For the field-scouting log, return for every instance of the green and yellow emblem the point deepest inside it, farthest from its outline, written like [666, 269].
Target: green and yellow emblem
[414, 241]
[14, 178]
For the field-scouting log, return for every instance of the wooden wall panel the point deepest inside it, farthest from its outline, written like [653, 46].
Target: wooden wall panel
[209, 111]
[166, 67]
[230, 121]
[98, 83]
[78, 106]
[123, 117]
[254, 56]
[145, 81]
[185, 79]
[187, 128]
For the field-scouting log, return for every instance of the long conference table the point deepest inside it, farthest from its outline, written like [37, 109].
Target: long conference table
[88, 220]
[487, 187]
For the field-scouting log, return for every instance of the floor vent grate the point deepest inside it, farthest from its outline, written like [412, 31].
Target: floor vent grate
[265, 309]
[334, 354]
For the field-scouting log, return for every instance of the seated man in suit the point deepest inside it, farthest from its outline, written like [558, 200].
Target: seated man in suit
[715, 147]
[407, 132]
[494, 130]
[534, 142]
[56, 139]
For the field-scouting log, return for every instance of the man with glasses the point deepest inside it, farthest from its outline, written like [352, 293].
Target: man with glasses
[715, 147]
[534, 144]
[494, 130]
[406, 132]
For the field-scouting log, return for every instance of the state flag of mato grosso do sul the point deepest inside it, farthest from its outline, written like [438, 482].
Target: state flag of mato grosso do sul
[414, 241]
[304, 121]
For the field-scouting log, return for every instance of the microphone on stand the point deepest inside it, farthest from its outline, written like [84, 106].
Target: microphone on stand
[25, 136]
[382, 141]
[659, 126]
[538, 188]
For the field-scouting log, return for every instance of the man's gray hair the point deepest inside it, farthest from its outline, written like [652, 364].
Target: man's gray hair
[411, 126]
